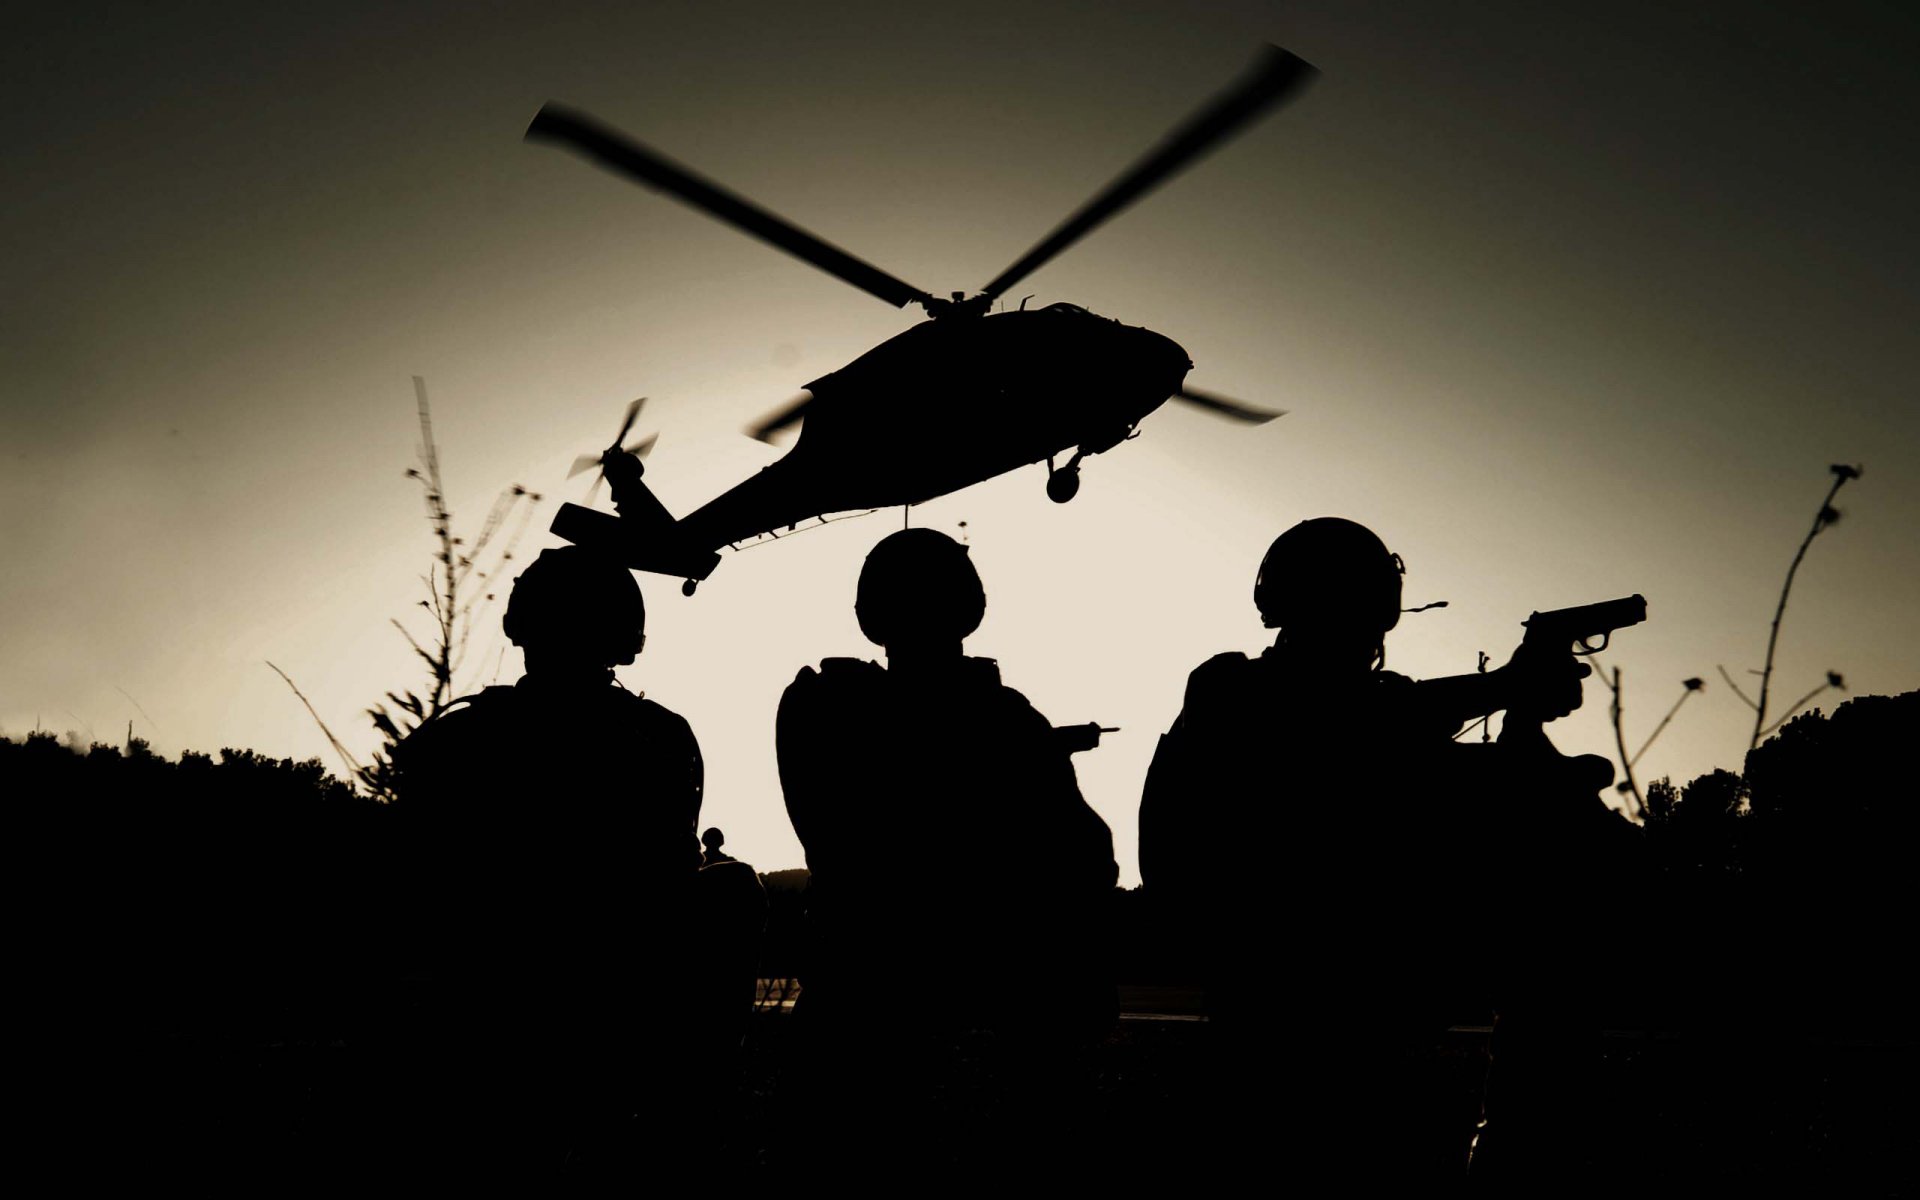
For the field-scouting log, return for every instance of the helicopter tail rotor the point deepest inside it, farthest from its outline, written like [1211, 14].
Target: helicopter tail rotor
[644, 535]
[626, 422]
[639, 449]
[1224, 407]
[588, 462]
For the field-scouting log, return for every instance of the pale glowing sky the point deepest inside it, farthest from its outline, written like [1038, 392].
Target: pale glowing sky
[1566, 305]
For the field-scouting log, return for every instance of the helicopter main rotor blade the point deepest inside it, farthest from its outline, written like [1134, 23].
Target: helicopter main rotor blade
[784, 418]
[1278, 74]
[1228, 408]
[627, 157]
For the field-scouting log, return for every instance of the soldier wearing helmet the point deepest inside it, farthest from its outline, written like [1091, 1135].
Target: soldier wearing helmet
[1347, 773]
[553, 854]
[1333, 576]
[566, 742]
[947, 841]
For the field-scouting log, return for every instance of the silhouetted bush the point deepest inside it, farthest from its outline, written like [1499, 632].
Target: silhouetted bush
[1782, 895]
[229, 897]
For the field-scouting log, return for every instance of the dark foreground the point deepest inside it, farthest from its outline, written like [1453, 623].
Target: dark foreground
[1781, 1111]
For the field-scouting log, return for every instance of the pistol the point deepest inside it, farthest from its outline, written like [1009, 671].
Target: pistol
[1075, 738]
[1578, 627]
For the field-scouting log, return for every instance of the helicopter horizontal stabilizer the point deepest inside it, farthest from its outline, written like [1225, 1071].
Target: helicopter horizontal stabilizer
[642, 545]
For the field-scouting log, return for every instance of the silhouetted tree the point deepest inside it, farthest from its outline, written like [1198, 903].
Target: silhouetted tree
[1696, 829]
[1780, 892]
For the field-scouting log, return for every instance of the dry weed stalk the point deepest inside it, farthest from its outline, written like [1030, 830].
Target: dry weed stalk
[456, 593]
[1824, 519]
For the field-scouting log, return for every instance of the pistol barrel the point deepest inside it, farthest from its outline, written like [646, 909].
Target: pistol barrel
[1586, 622]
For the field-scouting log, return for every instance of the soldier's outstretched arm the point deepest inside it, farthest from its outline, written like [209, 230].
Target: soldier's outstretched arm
[1084, 844]
[1544, 685]
[1450, 701]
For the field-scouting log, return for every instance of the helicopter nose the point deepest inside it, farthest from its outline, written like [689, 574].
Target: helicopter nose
[1168, 358]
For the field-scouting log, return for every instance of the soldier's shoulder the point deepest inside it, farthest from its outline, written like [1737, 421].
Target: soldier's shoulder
[1230, 668]
[466, 717]
[486, 701]
[443, 753]
[837, 684]
[850, 668]
[1223, 682]
[837, 673]
[651, 713]
[984, 674]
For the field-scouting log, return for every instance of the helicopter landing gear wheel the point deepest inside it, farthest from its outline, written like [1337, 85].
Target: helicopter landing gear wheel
[686, 588]
[1063, 484]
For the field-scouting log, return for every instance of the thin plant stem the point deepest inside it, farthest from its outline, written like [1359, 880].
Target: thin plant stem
[314, 713]
[1793, 708]
[456, 565]
[1821, 520]
[1661, 727]
[1616, 710]
[1744, 698]
[136, 707]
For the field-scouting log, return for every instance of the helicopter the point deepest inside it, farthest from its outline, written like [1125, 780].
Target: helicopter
[1034, 383]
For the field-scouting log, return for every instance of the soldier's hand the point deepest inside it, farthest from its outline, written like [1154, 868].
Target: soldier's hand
[1544, 683]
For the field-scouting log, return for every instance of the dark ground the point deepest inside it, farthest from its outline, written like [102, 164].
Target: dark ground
[1808, 1115]
[1815, 1117]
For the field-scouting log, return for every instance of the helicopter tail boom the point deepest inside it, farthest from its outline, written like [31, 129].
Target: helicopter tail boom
[649, 543]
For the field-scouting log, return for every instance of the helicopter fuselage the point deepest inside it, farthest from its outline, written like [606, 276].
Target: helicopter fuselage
[960, 398]
[947, 404]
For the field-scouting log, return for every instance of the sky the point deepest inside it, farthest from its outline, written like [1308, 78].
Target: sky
[1567, 302]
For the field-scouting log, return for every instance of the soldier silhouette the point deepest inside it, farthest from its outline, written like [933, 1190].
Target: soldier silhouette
[712, 840]
[731, 916]
[551, 829]
[1388, 847]
[937, 937]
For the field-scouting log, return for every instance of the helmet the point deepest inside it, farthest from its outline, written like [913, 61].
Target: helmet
[1329, 570]
[574, 600]
[919, 584]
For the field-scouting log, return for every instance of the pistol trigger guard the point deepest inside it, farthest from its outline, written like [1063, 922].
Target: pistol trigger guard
[1586, 646]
